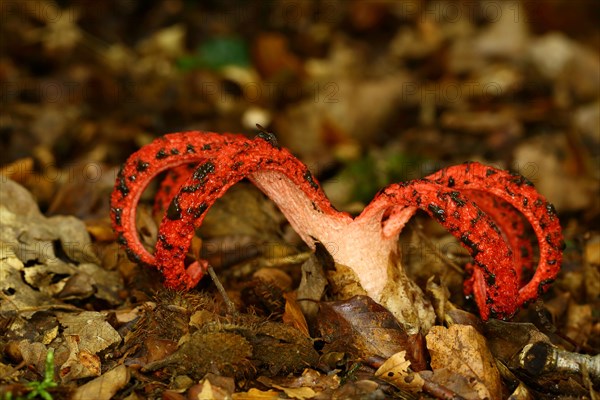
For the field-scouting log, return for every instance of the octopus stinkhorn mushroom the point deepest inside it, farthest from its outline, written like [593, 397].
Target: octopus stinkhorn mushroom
[480, 205]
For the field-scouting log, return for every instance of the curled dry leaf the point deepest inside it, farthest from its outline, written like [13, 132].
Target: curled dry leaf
[361, 326]
[461, 350]
[293, 314]
[396, 370]
[57, 251]
[105, 386]
[506, 340]
[86, 334]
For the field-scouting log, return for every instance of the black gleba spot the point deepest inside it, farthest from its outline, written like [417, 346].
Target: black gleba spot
[117, 212]
[174, 210]
[203, 171]
[160, 154]
[141, 165]
[309, 178]
[438, 212]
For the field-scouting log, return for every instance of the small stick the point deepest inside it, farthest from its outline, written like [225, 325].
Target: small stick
[230, 306]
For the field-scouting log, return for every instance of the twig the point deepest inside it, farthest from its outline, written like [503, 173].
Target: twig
[230, 306]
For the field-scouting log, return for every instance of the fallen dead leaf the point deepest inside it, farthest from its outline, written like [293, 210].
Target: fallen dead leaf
[85, 334]
[80, 363]
[462, 350]
[33, 354]
[300, 393]
[207, 391]
[293, 314]
[313, 283]
[366, 328]
[396, 370]
[255, 394]
[105, 386]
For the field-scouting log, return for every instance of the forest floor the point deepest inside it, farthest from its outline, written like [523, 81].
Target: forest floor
[365, 93]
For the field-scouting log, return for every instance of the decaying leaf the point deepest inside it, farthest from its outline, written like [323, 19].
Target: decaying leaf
[54, 254]
[240, 226]
[209, 389]
[306, 386]
[363, 327]
[86, 334]
[33, 354]
[579, 322]
[396, 370]
[300, 393]
[313, 282]
[19, 295]
[507, 339]
[293, 314]
[105, 386]
[255, 394]
[461, 350]
[591, 269]
[80, 364]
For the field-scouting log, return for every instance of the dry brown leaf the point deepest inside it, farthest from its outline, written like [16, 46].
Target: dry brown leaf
[104, 387]
[80, 363]
[548, 163]
[300, 393]
[591, 269]
[19, 170]
[18, 294]
[91, 329]
[369, 329]
[85, 334]
[298, 386]
[293, 314]
[101, 230]
[462, 350]
[33, 354]
[275, 277]
[255, 394]
[272, 56]
[312, 285]
[208, 391]
[396, 370]
[55, 247]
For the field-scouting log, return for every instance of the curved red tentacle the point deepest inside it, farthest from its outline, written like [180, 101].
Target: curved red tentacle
[495, 283]
[511, 224]
[209, 182]
[520, 194]
[141, 167]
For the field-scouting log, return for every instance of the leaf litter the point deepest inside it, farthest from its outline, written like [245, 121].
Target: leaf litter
[67, 290]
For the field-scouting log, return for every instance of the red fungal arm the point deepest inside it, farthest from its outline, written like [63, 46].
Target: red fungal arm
[164, 153]
[512, 224]
[520, 193]
[497, 285]
[255, 160]
[499, 195]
